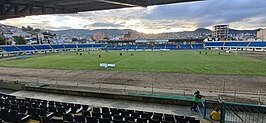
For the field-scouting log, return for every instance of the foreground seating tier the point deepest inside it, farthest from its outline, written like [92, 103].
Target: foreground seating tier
[17, 110]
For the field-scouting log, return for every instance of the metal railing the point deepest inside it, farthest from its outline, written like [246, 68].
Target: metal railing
[242, 113]
[147, 89]
[230, 112]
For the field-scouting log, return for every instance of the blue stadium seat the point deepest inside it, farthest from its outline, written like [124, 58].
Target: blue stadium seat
[9, 48]
[214, 43]
[57, 46]
[185, 46]
[170, 46]
[18, 117]
[234, 43]
[42, 47]
[197, 46]
[159, 46]
[119, 47]
[142, 47]
[69, 46]
[85, 45]
[25, 47]
[258, 44]
[99, 45]
[110, 47]
[131, 47]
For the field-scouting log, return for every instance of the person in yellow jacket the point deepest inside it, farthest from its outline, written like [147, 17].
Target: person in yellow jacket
[215, 115]
[196, 98]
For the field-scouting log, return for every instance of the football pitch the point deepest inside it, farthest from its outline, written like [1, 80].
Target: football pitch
[180, 61]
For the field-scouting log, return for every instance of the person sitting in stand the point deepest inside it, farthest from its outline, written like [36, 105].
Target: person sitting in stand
[215, 115]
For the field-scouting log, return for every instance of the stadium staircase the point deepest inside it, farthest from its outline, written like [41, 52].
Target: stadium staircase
[248, 44]
[18, 48]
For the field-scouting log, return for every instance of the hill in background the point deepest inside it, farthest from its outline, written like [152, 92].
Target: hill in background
[120, 32]
[82, 32]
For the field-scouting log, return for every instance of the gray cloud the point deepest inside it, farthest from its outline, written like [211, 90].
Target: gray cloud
[207, 13]
[101, 24]
[243, 14]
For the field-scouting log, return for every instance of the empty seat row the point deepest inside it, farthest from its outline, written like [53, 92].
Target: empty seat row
[235, 43]
[13, 109]
[16, 48]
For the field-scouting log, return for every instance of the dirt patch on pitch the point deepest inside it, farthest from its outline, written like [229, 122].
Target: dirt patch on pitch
[142, 79]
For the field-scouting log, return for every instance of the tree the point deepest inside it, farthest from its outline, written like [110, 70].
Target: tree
[19, 40]
[29, 28]
[2, 40]
[47, 33]
[74, 39]
[23, 28]
[37, 30]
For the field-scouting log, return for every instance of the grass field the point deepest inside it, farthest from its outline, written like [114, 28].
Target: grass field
[181, 61]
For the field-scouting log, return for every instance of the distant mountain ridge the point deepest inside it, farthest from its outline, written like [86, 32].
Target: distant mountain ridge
[202, 30]
[80, 32]
[234, 31]
[120, 32]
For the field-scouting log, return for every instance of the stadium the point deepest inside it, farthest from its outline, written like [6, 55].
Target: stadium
[132, 81]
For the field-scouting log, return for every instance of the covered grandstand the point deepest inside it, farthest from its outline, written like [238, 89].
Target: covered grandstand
[236, 45]
[209, 45]
[11, 49]
[21, 8]
[48, 48]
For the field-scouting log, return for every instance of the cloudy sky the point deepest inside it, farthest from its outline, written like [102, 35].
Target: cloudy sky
[239, 14]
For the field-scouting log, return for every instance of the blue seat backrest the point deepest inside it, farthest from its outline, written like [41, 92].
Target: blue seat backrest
[185, 46]
[110, 47]
[170, 46]
[197, 46]
[42, 47]
[57, 46]
[242, 43]
[70, 46]
[214, 43]
[99, 45]
[258, 44]
[26, 47]
[85, 45]
[9, 48]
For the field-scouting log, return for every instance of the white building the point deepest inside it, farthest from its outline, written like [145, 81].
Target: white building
[221, 32]
[261, 34]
